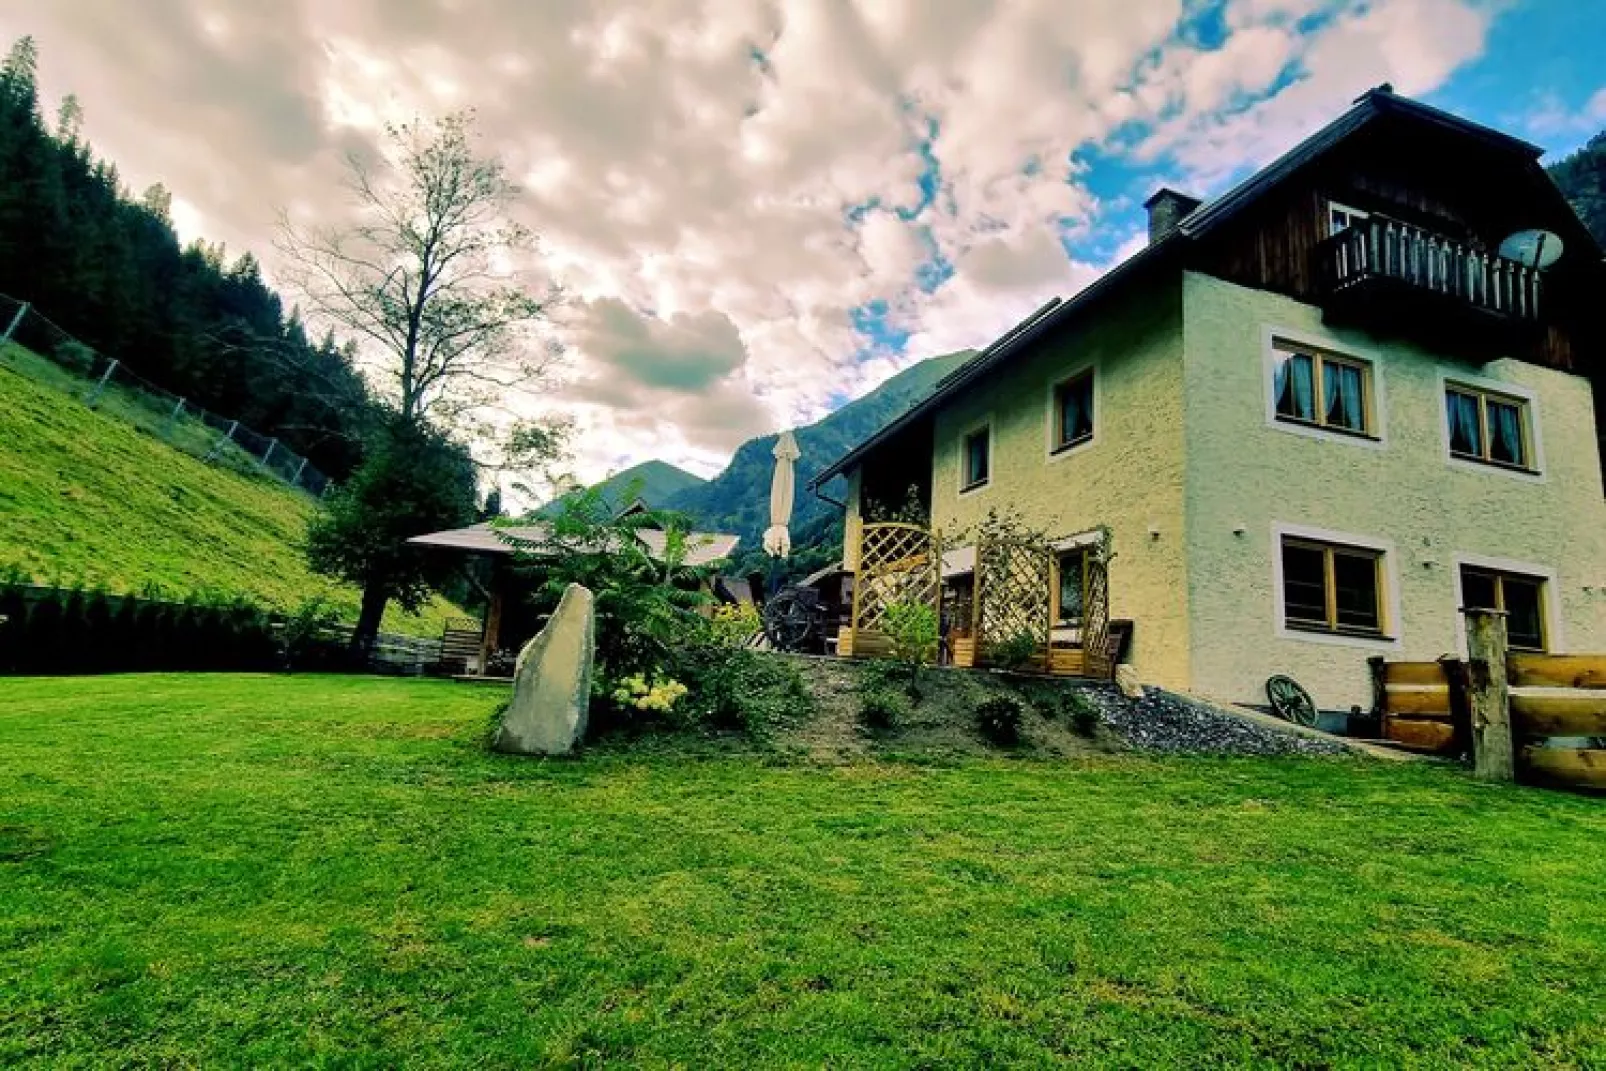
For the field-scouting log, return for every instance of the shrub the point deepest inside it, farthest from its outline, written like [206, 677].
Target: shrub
[752, 691]
[882, 707]
[730, 626]
[1016, 651]
[999, 718]
[646, 695]
[912, 628]
[1082, 715]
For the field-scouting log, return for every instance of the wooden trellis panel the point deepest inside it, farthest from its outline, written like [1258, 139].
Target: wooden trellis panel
[1014, 581]
[1098, 661]
[897, 563]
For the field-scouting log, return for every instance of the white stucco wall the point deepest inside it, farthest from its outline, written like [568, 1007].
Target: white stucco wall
[1245, 473]
[1128, 478]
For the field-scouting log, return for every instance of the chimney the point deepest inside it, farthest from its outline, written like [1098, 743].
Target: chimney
[1166, 209]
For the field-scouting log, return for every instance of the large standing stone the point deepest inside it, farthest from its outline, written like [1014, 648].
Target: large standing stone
[552, 682]
[1126, 679]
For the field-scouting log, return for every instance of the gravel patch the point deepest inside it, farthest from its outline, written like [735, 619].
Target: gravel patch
[1169, 723]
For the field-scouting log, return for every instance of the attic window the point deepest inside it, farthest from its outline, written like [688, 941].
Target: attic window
[1342, 217]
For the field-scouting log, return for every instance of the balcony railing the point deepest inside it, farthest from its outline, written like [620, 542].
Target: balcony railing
[1379, 249]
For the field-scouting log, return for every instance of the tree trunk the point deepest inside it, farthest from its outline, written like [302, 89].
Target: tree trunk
[374, 598]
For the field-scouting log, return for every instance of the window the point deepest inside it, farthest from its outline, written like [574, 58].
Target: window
[1073, 412]
[976, 459]
[1488, 427]
[1342, 217]
[1072, 586]
[1322, 390]
[1331, 588]
[1521, 597]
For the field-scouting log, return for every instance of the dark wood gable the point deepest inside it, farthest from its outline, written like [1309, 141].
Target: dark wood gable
[1439, 198]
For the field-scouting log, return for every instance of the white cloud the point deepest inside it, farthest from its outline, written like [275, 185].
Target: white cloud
[699, 170]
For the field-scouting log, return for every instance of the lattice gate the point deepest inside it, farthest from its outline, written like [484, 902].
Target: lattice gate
[1096, 659]
[1013, 595]
[898, 563]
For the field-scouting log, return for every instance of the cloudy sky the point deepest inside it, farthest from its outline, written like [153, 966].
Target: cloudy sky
[762, 208]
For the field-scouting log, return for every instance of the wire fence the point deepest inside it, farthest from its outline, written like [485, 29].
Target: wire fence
[33, 345]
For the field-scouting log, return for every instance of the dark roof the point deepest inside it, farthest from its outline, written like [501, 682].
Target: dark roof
[1368, 107]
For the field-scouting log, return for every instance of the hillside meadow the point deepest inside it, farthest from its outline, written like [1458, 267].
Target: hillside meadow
[87, 499]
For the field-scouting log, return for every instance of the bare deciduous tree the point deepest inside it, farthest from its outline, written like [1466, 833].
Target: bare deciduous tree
[429, 274]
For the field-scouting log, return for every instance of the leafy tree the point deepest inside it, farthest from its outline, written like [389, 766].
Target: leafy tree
[413, 480]
[428, 275]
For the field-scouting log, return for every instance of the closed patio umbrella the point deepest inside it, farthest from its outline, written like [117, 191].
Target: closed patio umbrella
[777, 542]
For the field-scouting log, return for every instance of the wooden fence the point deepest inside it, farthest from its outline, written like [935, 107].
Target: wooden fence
[1423, 705]
[1537, 717]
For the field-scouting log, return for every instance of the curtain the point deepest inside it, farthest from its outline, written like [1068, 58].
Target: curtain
[1294, 384]
[1505, 433]
[1071, 415]
[1463, 413]
[1344, 403]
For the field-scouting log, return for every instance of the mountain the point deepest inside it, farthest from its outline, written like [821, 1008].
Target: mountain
[656, 483]
[738, 499]
[1582, 177]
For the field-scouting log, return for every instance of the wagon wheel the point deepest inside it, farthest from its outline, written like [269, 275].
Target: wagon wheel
[787, 621]
[1289, 701]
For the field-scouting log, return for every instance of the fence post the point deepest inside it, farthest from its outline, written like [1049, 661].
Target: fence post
[16, 321]
[268, 453]
[1487, 694]
[295, 481]
[172, 418]
[100, 386]
[217, 448]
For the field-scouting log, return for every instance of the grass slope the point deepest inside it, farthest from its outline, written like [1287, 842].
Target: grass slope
[307, 871]
[88, 499]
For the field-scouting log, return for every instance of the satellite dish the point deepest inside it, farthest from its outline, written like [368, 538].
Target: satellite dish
[1535, 249]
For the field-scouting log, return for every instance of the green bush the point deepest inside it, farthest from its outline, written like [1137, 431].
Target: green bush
[1081, 714]
[882, 708]
[1015, 652]
[912, 629]
[69, 631]
[999, 719]
[753, 691]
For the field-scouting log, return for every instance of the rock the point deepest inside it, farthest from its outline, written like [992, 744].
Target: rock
[1126, 678]
[552, 683]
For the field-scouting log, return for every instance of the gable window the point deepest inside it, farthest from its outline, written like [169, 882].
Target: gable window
[1332, 588]
[1072, 566]
[1323, 390]
[1489, 427]
[1521, 597]
[1073, 412]
[976, 459]
[1342, 217]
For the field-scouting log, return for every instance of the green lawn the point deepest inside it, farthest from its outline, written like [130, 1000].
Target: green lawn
[87, 498]
[271, 870]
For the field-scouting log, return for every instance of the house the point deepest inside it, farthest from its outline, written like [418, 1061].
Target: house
[1313, 417]
[510, 617]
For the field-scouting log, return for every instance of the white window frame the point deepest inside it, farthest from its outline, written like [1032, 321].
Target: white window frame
[992, 456]
[1052, 451]
[1390, 595]
[1545, 573]
[1530, 400]
[1339, 206]
[1270, 338]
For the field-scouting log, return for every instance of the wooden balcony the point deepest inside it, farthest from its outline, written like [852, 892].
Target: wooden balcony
[1381, 273]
